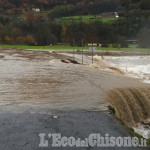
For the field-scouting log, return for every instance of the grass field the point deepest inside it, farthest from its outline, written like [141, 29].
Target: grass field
[85, 19]
[39, 47]
[131, 48]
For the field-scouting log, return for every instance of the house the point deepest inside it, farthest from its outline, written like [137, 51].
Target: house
[93, 44]
[110, 15]
[37, 10]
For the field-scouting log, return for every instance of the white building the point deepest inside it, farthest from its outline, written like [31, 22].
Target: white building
[37, 10]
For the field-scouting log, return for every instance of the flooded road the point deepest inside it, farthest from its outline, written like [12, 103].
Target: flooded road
[37, 81]
[37, 85]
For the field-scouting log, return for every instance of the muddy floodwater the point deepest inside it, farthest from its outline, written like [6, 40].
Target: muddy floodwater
[135, 66]
[34, 85]
[37, 81]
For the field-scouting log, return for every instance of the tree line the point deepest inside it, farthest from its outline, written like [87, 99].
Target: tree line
[35, 32]
[40, 29]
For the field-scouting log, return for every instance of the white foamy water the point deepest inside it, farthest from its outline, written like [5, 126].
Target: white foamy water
[134, 66]
[141, 130]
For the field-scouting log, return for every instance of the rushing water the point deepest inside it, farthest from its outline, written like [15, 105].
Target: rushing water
[132, 107]
[134, 66]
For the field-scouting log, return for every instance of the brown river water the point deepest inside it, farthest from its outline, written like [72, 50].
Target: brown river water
[37, 81]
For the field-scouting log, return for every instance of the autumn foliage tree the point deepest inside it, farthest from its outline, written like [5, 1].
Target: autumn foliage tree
[30, 40]
[30, 16]
[8, 39]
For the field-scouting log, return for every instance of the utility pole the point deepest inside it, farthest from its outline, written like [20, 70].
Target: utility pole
[82, 51]
[92, 53]
[73, 49]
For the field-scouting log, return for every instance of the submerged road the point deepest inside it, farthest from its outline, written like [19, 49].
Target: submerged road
[40, 94]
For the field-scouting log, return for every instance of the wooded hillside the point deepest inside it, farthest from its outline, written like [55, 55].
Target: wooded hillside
[20, 23]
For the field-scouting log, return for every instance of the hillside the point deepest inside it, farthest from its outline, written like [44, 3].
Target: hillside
[68, 7]
[45, 22]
